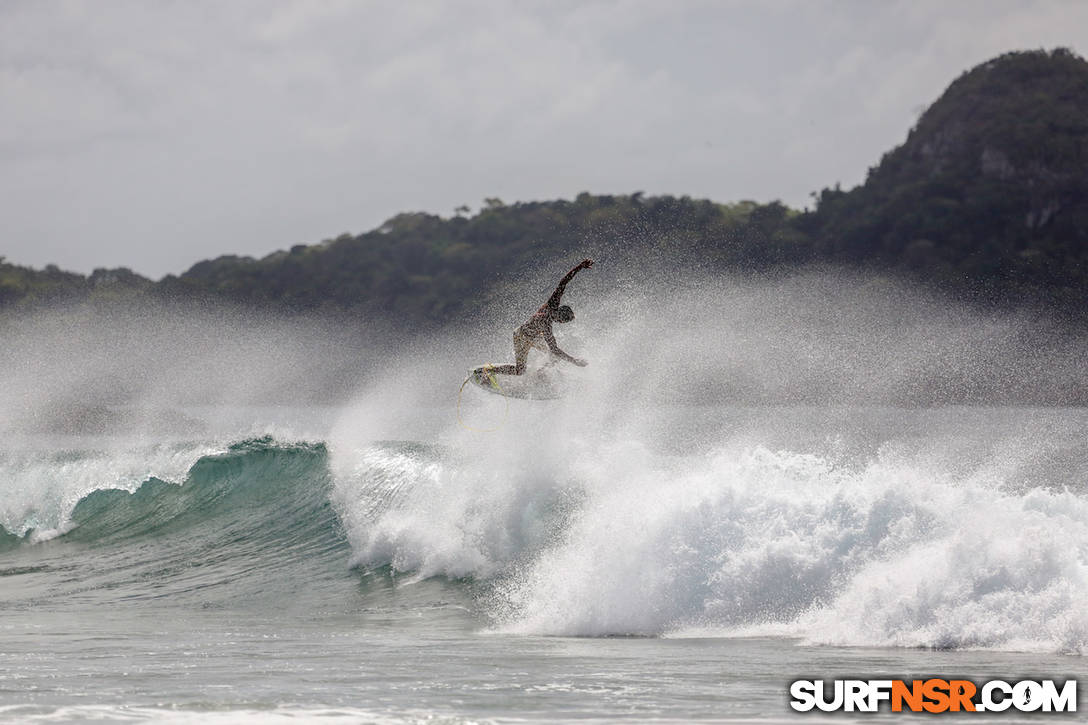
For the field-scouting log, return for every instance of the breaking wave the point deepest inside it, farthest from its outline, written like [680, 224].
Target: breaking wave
[901, 547]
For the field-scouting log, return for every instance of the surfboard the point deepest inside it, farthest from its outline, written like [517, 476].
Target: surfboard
[531, 385]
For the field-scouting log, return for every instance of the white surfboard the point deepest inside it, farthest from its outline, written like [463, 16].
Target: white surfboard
[530, 385]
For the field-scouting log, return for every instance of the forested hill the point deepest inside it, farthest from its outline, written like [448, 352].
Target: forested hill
[990, 188]
[987, 196]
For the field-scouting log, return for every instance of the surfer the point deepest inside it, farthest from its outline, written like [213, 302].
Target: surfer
[538, 329]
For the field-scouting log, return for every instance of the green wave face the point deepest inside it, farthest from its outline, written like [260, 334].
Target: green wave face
[245, 524]
[272, 488]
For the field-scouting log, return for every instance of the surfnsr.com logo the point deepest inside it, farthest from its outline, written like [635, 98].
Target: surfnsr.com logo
[933, 695]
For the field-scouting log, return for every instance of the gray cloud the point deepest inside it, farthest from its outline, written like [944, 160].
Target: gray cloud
[154, 134]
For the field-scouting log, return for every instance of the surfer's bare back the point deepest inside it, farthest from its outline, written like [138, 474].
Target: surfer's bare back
[538, 328]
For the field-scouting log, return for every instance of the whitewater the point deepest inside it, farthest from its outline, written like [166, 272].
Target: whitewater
[752, 482]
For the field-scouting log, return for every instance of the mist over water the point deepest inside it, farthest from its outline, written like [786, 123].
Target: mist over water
[826, 338]
[55, 360]
[787, 457]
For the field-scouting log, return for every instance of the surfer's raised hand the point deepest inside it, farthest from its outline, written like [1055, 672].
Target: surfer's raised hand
[553, 301]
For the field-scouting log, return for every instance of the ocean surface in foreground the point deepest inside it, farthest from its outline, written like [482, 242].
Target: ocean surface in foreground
[681, 564]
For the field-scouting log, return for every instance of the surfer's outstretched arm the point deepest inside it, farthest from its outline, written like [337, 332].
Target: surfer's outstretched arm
[553, 301]
[554, 347]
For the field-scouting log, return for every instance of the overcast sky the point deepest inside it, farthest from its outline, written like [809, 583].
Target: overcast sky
[155, 133]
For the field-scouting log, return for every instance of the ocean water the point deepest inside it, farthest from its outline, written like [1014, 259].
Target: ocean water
[379, 561]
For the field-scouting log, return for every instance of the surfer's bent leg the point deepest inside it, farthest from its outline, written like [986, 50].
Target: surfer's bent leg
[522, 343]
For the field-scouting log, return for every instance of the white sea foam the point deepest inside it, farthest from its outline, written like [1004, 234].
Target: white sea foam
[742, 541]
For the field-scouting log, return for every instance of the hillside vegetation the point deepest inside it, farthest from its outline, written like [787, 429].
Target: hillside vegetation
[990, 189]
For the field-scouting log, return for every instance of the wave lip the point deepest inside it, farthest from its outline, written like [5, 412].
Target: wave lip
[43, 488]
[257, 478]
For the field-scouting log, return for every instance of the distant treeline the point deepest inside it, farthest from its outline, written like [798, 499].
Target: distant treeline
[988, 197]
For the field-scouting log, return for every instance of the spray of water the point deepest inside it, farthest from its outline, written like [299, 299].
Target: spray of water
[787, 456]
